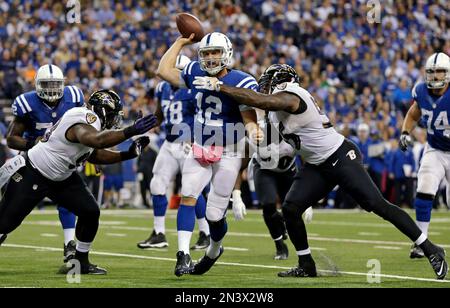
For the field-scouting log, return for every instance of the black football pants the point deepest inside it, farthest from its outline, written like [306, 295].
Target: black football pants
[28, 187]
[344, 168]
[268, 185]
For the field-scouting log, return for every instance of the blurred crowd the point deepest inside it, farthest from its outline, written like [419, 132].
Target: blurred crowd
[360, 70]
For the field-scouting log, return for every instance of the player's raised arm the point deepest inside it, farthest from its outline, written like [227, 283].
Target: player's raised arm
[104, 157]
[89, 136]
[167, 66]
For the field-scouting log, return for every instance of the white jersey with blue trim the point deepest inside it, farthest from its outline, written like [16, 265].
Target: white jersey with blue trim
[310, 133]
[38, 116]
[54, 156]
[217, 111]
[435, 112]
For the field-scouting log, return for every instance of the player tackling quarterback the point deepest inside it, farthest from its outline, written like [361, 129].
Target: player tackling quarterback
[330, 160]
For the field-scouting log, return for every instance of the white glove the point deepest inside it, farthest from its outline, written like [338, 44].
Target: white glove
[239, 210]
[308, 215]
[207, 83]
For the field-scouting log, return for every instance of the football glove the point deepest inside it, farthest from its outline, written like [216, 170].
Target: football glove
[141, 125]
[405, 141]
[239, 210]
[138, 146]
[207, 83]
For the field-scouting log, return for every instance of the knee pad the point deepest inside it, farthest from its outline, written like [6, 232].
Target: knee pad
[427, 183]
[216, 206]
[158, 185]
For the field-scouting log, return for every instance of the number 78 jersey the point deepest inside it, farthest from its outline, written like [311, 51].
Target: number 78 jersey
[435, 116]
[215, 111]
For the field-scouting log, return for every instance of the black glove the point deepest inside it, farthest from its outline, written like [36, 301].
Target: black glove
[138, 146]
[405, 141]
[141, 125]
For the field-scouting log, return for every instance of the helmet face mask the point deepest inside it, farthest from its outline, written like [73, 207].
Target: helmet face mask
[215, 53]
[437, 78]
[108, 107]
[276, 74]
[49, 83]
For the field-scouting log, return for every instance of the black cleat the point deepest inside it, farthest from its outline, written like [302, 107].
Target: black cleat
[205, 264]
[202, 242]
[416, 252]
[300, 271]
[437, 261]
[69, 251]
[282, 251]
[154, 241]
[184, 264]
[85, 269]
[3, 238]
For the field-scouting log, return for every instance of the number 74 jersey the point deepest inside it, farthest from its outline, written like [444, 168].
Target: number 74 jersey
[435, 116]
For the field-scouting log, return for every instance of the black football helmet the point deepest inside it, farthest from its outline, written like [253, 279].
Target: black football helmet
[276, 74]
[108, 106]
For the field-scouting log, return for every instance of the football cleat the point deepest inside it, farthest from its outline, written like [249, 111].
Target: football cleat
[154, 241]
[202, 242]
[205, 264]
[184, 264]
[3, 238]
[416, 252]
[85, 269]
[69, 251]
[437, 261]
[282, 251]
[300, 271]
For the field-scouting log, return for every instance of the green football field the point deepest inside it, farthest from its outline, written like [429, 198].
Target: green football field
[351, 249]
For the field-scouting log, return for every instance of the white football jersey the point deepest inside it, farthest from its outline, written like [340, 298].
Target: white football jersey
[310, 132]
[54, 156]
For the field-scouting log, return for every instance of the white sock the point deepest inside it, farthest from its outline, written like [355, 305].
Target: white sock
[213, 249]
[160, 224]
[69, 235]
[184, 241]
[304, 252]
[423, 226]
[422, 238]
[83, 246]
[203, 225]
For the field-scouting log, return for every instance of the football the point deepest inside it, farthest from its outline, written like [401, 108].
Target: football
[188, 24]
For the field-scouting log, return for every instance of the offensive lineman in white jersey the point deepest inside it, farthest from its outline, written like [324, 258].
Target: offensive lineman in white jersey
[49, 168]
[329, 158]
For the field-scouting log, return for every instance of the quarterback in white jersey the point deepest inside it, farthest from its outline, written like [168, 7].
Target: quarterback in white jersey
[329, 158]
[49, 168]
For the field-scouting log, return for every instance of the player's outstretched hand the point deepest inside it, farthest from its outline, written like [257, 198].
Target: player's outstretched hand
[207, 83]
[186, 40]
[141, 125]
[239, 210]
[405, 141]
[139, 145]
[308, 215]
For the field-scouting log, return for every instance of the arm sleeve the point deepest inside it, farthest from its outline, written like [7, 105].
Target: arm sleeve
[18, 108]
[189, 72]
